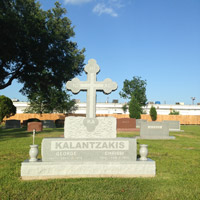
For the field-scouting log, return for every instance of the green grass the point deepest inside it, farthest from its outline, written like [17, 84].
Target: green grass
[177, 173]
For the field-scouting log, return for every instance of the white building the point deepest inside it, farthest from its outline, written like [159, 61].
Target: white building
[116, 108]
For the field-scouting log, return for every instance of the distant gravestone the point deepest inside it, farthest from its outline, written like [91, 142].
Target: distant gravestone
[173, 125]
[34, 125]
[13, 123]
[48, 124]
[138, 122]
[59, 123]
[126, 124]
[155, 130]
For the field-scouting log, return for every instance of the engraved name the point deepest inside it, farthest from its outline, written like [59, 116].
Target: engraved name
[89, 145]
[155, 127]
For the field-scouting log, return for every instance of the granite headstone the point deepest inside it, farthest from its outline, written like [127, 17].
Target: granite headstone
[94, 151]
[126, 124]
[34, 125]
[155, 130]
[13, 123]
[48, 124]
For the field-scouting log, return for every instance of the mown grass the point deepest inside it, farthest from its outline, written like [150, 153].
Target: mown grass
[177, 173]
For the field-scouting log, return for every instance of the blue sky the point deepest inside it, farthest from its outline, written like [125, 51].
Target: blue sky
[158, 40]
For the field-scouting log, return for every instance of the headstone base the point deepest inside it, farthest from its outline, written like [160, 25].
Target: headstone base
[51, 170]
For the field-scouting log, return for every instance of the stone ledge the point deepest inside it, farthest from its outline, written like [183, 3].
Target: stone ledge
[156, 138]
[52, 170]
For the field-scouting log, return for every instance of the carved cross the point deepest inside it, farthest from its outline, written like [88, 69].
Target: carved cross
[91, 86]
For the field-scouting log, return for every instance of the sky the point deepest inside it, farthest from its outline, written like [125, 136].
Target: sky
[157, 40]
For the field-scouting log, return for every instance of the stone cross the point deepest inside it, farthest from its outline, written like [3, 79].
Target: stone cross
[91, 86]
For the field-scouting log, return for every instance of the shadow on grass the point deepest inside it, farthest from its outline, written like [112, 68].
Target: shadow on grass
[6, 134]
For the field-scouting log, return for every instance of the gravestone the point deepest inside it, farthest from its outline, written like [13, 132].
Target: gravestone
[138, 122]
[173, 125]
[155, 130]
[90, 147]
[48, 124]
[34, 125]
[126, 124]
[59, 123]
[13, 123]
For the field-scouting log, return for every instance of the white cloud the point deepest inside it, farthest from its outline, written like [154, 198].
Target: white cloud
[76, 2]
[101, 8]
[116, 3]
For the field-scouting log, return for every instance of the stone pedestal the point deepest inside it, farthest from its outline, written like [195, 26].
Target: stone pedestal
[51, 170]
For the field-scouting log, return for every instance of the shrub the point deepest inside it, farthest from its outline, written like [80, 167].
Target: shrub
[174, 112]
[134, 108]
[153, 113]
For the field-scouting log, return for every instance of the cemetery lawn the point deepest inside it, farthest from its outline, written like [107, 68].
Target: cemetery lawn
[177, 171]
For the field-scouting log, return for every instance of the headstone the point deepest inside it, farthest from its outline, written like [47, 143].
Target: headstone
[90, 147]
[126, 124]
[59, 123]
[13, 123]
[48, 124]
[173, 125]
[138, 122]
[155, 130]
[34, 125]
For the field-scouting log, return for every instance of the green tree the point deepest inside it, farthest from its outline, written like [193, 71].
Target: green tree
[35, 47]
[135, 87]
[153, 113]
[135, 109]
[125, 108]
[55, 101]
[7, 108]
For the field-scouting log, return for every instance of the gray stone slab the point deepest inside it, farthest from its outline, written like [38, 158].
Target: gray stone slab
[48, 124]
[49, 170]
[75, 128]
[86, 150]
[13, 123]
[155, 130]
[173, 125]
[138, 122]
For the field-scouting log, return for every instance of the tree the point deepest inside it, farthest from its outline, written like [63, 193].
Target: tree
[7, 108]
[125, 108]
[55, 101]
[134, 108]
[135, 87]
[35, 48]
[153, 113]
